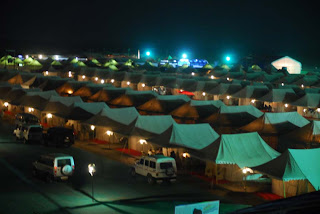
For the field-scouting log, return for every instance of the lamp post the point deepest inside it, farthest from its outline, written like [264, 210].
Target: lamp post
[109, 133]
[92, 170]
[245, 170]
[142, 141]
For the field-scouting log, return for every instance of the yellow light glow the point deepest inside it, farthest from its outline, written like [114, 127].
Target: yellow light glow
[47, 72]
[83, 76]
[92, 168]
[49, 115]
[6, 104]
[102, 81]
[203, 93]
[192, 73]
[282, 84]
[92, 127]
[302, 86]
[70, 74]
[245, 170]
[318, 110]
[228, 97]
[186, 155]
[109, 133]
[228, 78]
[70, 92]
[40, 56]
[142, 141]
[304, 110]
[96, 78]
[128, 83]
[30, 109]
[253, 100]
[143, 85]
[112, 80]
[212, 77]
[27, 56]
[286, 105]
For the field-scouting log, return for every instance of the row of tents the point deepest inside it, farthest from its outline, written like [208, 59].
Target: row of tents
[231, 151]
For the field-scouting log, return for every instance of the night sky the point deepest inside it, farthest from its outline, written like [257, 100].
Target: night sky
[201, 28]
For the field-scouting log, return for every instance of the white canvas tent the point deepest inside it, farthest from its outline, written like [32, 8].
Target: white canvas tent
[293, 66]
[290, 168]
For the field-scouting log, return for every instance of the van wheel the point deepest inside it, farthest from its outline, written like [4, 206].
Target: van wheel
[49, 178]
[150, 179]
[132, 172]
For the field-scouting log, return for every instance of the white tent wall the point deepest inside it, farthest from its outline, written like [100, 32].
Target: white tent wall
[229, 172]
[50, 73]
[101, 134]
[145, 88]
[133, 143]
[199, 96]
[76, 125]
[244, 101]
[35, 112]
[292, 188]
[293, 66]
[54, 121]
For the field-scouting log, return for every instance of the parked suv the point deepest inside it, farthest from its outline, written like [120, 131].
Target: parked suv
[59, 136]
[156, 168]
[55, 166]
[29, 133]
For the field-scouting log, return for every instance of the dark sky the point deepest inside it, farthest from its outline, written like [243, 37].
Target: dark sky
[201, 28]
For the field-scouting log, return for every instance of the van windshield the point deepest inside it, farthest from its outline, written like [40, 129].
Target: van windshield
[165, 165]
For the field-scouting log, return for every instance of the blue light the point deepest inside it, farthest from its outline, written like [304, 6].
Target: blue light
[148, 53]
[184, 56]
[228, 58]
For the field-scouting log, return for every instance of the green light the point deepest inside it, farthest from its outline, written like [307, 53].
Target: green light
[148, 53]
[228, 58]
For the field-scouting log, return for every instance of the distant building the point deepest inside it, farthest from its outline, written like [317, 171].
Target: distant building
[291, 65]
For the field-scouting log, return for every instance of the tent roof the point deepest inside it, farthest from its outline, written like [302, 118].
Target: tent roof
[280, 123]
[155, 124]
[119, 120]
[238, 109]
[83, 111]
[310, 100]
[252, 91]
[279, 95]
[294, 164]
[193, 136]
[244, 150]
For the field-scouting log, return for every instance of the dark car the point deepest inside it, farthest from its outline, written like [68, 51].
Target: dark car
[59, 136]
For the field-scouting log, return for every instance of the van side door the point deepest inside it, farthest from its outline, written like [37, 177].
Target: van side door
[139, 166]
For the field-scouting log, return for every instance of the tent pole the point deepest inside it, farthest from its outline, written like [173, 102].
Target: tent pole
[284, 189]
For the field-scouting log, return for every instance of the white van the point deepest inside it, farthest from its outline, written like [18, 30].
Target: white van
[156, 168]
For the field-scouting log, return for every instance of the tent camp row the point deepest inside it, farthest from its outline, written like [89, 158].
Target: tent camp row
[232, 152]
[224, 119]
[284, 98]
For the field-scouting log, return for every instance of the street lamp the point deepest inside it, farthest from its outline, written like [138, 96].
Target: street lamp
[228, 58]
[142, 142]
[6, 104]
[245, 170]
[92, 127]
[92, 170]
[148, 53]
[109, 133]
